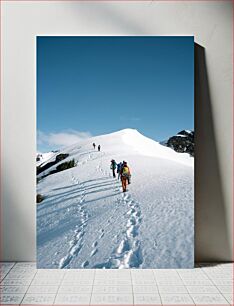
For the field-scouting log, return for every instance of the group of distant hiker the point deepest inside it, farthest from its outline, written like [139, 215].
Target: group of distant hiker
[123, 172]
[94, 146]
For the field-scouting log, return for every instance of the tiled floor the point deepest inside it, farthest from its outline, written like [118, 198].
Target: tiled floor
[208, 284]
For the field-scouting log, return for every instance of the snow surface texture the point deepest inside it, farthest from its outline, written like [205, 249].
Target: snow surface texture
[86, 221]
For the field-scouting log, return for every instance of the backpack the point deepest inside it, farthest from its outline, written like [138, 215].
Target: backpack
[125, 171]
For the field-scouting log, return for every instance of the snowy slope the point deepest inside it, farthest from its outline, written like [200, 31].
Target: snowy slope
[86, 220]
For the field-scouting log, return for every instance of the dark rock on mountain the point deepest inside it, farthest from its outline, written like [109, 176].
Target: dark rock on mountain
[58, 158]
[183, 142]
[39, 157]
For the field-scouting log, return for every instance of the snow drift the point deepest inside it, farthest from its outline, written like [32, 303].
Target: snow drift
[86, 221]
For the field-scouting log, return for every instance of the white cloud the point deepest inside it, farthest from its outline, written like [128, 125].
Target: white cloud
[61, 139]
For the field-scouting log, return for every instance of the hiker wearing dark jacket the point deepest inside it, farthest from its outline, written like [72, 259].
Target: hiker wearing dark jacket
[113, 166]
[119, 166]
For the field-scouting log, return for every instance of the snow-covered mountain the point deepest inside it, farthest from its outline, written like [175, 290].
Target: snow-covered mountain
[86, 221]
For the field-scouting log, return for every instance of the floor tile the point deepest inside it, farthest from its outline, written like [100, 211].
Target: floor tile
[176, 299]
[109, 278]
[112, 289]
[65, 289]
[72, 299]
[76, 281]
[112, 282]
[174, 277]
[209, 299]
[50, 277]
[13, 289]
[16, 282]
[220, 276]
[80, 271]
[145, 289]
[165, 271]
[222, 282]
[225, 289]
[147, 299]
[191, 276]
[3, 275]
[197, 282]
[209, 284]
[73, 276]
[228, 297]
[39, 299]
[169, 282]
[20, 276]
[43, 289]
[23, 269]
[143, 282]
[112, 299]
[52, 271]
[143, 273]
[163, 289]
[11, 299]
[164, 275]
[146, 279]
[45, 282]
[189, 271]
[5, 269]
[202, 289]
[113, 272]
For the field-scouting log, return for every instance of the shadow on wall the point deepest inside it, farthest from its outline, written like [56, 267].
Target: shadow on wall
[211, 232]
[18, 226]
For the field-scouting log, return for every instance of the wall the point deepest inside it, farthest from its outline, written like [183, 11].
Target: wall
[211, 24]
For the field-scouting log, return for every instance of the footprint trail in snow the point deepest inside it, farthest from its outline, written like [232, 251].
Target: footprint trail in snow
[128, 253]
[76, 243]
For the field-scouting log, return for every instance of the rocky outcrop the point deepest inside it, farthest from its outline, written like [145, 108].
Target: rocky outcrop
[58, 158]
[183, 142]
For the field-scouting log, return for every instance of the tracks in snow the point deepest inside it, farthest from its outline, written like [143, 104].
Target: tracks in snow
[90, 155]
[128, 253]
[101, 232]
[77, 241]
[129, 249]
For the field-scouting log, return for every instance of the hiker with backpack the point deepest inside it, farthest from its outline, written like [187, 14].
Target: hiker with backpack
[119, 166]
[125, 175]
[94, 145]
[113, 166]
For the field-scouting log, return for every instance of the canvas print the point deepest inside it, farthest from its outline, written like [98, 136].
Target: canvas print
[115, 152]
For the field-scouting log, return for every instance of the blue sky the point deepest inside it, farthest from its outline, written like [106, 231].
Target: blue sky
[97, 85]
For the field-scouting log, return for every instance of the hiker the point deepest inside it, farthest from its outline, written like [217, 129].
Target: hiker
[94, 145]
[113, 166]
[99, 147]
[119, 166]
[129, 177]
[125, 174]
